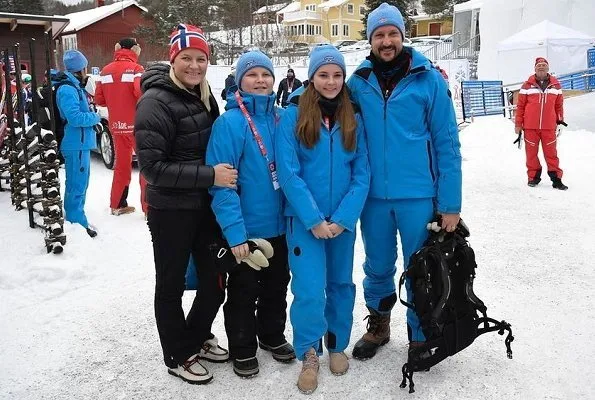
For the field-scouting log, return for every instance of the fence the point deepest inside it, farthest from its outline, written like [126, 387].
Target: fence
[582, 80]
[481, 98]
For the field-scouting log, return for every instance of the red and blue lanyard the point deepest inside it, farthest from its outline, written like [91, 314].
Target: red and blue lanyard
[263, 150]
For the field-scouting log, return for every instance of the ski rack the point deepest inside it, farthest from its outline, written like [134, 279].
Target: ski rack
[29, 154]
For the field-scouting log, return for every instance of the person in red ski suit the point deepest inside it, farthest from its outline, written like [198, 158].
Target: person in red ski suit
[118, 89]
[539, 111]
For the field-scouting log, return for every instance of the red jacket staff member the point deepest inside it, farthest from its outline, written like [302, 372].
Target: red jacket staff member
[119, 90]
[539, 111]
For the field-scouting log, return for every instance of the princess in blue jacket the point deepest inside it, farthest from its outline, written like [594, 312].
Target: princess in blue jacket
[324, 173]
[244, 136]
[79, 136]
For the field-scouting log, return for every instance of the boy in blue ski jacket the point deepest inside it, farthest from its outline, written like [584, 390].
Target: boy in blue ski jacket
[324, 173]
[79, 136]
[244, 136]
[415, 164]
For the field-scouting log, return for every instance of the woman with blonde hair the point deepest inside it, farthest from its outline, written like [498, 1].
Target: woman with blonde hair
[324, 173]
[172, 128]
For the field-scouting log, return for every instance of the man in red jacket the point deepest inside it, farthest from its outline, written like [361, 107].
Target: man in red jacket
[119, 89]
[539, 111]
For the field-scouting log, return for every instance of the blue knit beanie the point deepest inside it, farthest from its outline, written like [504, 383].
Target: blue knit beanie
[383, 15]
[322, 55]
[252, 59]
[74, 61]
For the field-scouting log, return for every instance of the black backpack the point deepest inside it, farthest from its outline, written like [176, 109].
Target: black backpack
[441, 275]
[44, 117]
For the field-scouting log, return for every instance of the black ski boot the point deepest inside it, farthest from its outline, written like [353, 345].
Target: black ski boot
[556, 182]
[91, 232]
[534, 182]
[378, 334]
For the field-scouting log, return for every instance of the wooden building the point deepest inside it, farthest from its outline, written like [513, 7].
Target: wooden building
[95, 32]
[20, 28]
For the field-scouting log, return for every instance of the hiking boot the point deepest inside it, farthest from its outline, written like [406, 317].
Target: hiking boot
[123, 210]
[192, 371]
[308, 379]
[246, 368]
[283, 353]
[211, 351]
[339, 363]
[533, 182]
[378, 334]
[557, 184]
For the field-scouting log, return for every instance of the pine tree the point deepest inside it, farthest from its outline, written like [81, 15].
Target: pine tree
[23, 6]
[403, 5]
[441, 8]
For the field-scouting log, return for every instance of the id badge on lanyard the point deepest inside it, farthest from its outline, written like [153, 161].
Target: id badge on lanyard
[274, 177]
[270, 164]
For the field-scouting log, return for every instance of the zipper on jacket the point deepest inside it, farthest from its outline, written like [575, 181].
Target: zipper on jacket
[331, 180]
[82, 135]
[385, 177]
[430, 160]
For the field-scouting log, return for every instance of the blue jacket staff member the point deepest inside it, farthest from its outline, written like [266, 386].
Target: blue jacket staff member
[79, 136]
[324, 173]
[244, 136]
[415, 163]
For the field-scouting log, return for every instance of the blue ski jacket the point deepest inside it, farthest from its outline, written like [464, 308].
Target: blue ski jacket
[412, 136]
[255, 209]
[326, 182]
[74, 109]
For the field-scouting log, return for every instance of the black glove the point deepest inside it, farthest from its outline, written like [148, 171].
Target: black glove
[562, 123]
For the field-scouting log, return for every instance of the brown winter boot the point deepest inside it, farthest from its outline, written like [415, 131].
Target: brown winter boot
[339, 363]
[378, 335]
[308, 379]
[123, 210]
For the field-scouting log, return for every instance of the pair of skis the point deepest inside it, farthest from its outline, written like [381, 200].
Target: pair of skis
[29, 155]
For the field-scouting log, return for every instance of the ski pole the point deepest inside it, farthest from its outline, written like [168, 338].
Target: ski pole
[518, 139]
[21, 117]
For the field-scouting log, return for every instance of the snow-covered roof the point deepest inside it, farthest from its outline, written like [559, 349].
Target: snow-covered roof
[270, 8]
[332, 3]
[291, 7]
[56, 22]
[82, 19]
[468, 5]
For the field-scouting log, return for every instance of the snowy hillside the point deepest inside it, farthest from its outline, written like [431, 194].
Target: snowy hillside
[81, 325]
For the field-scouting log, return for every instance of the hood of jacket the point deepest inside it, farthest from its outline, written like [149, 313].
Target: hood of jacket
[125, 55]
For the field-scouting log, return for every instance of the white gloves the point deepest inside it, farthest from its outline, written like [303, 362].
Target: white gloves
[260, 252]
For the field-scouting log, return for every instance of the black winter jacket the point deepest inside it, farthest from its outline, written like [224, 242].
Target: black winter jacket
[172, 129]
[283, 90]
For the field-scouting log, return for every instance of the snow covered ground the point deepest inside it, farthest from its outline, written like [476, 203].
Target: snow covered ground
[80, 325]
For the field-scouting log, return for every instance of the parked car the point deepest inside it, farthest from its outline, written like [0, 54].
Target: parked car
[297, 47]
[339, 44]
[359, 45]
[105, 141]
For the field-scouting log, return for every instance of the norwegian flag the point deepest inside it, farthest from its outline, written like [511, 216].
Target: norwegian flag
[185, 35]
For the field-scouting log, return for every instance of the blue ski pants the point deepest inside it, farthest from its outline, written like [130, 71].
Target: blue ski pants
[77, 164]
[322, 287]
[380, 221]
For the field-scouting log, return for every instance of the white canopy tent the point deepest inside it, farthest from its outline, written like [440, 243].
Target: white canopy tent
[500, 19]
[564, 48]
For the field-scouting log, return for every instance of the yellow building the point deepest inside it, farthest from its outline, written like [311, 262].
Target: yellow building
[426, 25]
[318, 21]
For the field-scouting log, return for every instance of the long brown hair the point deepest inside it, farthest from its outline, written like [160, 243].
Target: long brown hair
[308, 125]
